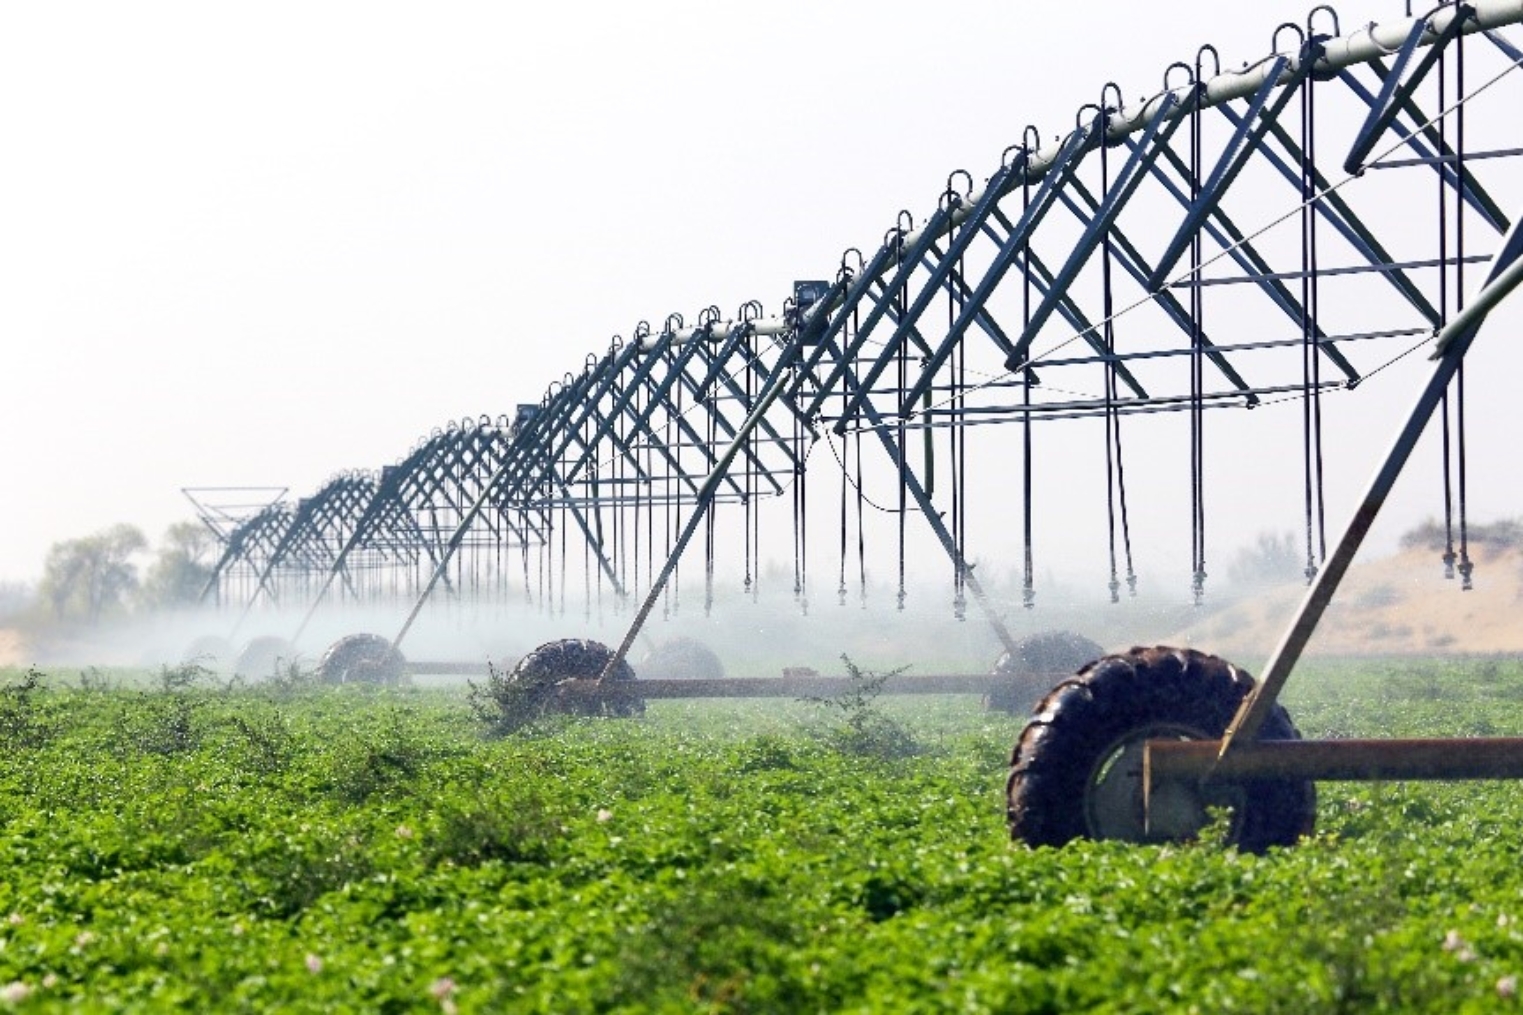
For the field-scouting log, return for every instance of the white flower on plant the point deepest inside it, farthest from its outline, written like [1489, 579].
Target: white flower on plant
[604, 814]
[50, 981]
[84, 938]
[442, 988]
[314, 964]
[1453, 942]
[16, 919]
[404, 832]
[1507, 987]
[15, 992]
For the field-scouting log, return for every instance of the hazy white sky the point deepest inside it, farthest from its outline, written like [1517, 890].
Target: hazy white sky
[259, 244]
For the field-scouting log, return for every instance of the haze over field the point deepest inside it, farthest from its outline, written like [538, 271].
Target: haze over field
[260, 246]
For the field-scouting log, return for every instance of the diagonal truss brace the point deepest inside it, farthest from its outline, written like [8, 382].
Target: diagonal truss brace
[1450, 347]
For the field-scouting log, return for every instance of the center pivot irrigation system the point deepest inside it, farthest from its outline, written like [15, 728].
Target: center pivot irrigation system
[1280, 233]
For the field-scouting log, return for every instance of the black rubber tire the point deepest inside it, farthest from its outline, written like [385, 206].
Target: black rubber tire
[1086, 720]
[682, 659]
[262, 657]
[556, 677]
[362, 659]
[1028, 671]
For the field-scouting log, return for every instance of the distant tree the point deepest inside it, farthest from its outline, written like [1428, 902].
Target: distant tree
[182, 566]
[91, 576]
[1273, 559]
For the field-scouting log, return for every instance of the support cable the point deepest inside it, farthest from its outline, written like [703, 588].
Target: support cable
[1108, 337]
[619, 524]
[1115, 469]
[845, 279]
[541, 558]
[1466, 565]
[1028, 578]
[1317, 353]
[1311, 361]
[564, 525]
[710, 522]
[754, 373]
[901, 300]
[668, 485]
[675, 473]
[957, 436]
[523, 521]
[861, 503]
[749, 498]
[1446, 414]
[587, 577]
[638, 491]
[800, 516]
[649, 496]
[1197, 363]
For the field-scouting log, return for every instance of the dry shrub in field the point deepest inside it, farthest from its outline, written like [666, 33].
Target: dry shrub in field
[864, 729]
[557, 678]
[21, 722]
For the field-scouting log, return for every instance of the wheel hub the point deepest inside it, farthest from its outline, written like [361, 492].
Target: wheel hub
[1114, 806]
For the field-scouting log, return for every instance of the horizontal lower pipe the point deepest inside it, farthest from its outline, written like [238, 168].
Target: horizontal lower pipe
[810, 687]
[1335, 760]
[780, 687]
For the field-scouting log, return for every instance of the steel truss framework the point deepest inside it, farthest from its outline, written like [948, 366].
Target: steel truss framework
[1242, 237]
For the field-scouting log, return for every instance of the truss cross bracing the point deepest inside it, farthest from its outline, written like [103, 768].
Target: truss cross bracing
[1274, 234]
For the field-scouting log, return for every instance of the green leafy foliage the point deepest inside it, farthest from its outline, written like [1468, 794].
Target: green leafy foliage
[354, 848]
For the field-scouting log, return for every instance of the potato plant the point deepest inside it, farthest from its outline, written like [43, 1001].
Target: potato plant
[367, 848]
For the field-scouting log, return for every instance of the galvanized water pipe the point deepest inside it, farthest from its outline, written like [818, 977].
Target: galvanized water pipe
[1367, 43]
[770, 327]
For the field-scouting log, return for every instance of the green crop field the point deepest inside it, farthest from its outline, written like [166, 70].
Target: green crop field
[176, 844]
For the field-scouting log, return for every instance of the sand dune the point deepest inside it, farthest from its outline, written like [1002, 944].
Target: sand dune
[12, 647]
[1394, 605]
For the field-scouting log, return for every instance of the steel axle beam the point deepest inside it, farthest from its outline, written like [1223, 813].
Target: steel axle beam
[1333, 760]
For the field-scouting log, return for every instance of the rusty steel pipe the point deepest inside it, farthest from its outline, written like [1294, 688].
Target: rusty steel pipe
[776, 687]
[809, 687]
[1334, 760]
